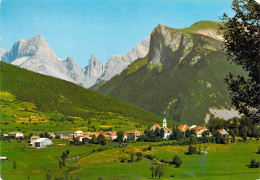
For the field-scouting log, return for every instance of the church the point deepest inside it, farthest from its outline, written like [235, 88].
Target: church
[167, 131]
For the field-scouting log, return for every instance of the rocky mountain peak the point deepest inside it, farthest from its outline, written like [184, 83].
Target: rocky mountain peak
[95, 67]
[36, 46]
[94, 61]
[117, 63]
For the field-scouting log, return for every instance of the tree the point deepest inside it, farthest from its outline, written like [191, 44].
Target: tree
[233, 135]
[244, 133]
[176, 161]
[242, 43]
[188, 133]
[225, 139]
[101, 139]
[159, 171]
[93, 139]
[218, 137]
[14, 164]
[120, 136]
[191, 150]
[60, 164]
[162, 133]
[152, 169]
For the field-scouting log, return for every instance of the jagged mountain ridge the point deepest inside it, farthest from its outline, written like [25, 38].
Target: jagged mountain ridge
[36, 55]
[181, 77]
[116, 64]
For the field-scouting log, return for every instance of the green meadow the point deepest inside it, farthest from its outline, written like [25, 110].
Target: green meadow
[222, 161]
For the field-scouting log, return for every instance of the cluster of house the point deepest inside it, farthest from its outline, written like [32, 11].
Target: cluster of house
[110, 135]
[36, 141]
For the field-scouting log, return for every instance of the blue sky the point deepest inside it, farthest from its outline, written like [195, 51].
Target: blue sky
[80, 28]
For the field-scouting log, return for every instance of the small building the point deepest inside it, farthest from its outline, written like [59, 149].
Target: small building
[33, 139]
[112, 135]
[183, 128]
[77, 133]
[41, 142]
[65, 135]
[223, 131]
[15, 135]
[3, 159]
[133, 134]
[199, 130]
[80, 138]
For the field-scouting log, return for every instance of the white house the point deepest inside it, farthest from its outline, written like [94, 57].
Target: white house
[77, 133]
[3, 159]
[41, 142]
[15, 135]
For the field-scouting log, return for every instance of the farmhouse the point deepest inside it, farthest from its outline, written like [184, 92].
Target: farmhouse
[34, 138]
[112, 135]
[3, 159]
[65, 135]
[183, 128]
[133, 134]
[167, 131]
[15, 135]
[199, 130]
[41, 142]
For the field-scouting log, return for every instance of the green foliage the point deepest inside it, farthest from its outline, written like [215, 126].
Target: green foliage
[191, 150]
[242, 44]
[120, 136]
[159, 171]
[176, 161]
[254, 164]
[14, 164]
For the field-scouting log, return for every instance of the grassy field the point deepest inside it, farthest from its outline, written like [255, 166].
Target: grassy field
[24, 116]
[222, 161]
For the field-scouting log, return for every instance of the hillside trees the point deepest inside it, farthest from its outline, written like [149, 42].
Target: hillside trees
[242, 43]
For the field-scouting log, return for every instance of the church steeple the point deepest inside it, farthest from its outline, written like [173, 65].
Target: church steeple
[164, 123]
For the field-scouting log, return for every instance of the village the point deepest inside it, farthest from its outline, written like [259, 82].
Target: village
[37, 141]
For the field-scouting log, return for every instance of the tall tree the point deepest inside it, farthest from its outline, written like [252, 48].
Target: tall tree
[14, 164]
[242, 43]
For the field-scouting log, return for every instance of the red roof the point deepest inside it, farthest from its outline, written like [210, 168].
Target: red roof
[134, 132]
[78, 137]
[199, 128]
[157, 125]
[183, 127]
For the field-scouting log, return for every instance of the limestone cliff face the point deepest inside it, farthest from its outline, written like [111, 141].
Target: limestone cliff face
[174, 45]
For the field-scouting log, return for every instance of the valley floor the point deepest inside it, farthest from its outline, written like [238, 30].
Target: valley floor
[103, 162]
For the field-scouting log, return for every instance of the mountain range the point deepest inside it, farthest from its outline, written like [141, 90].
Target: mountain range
[177, 73]
[36, 55]
[182, 76]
